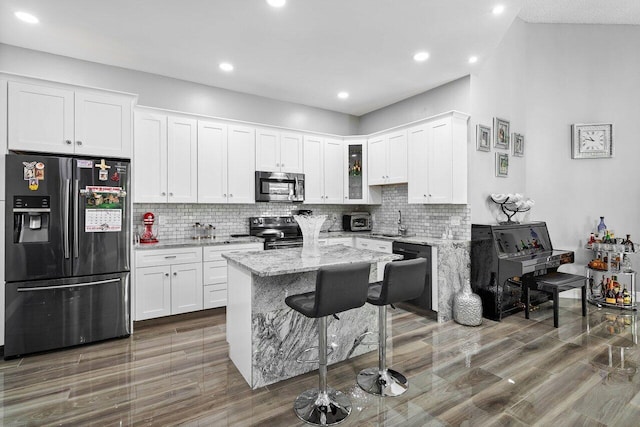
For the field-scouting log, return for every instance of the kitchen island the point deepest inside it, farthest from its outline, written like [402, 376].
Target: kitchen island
[265, 336]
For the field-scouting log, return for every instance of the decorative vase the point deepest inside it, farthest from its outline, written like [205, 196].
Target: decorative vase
[602, 226]
[310, 226]
[467, 307]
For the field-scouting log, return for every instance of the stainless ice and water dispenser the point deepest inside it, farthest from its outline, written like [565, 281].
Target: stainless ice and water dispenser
[31, 218]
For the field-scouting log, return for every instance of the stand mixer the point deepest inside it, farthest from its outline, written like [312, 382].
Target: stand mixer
[150, 232]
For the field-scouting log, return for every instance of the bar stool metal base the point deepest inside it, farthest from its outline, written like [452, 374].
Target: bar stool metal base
[322, 409]
[385, 383]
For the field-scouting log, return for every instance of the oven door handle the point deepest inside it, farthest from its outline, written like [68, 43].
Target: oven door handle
[79, 285]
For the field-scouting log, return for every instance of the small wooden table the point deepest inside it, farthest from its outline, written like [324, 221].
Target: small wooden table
[552, 284]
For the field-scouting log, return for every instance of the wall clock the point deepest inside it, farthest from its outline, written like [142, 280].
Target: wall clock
[592, 141]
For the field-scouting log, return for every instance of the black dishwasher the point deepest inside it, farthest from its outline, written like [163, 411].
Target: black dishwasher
[412, 251]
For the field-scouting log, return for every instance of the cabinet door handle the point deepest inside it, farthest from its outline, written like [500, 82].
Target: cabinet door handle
[278, 164]
[224, 195]
[175, 274]
[68, 141]
[171, 194]
[166, 274]
[230, 195]
[346, 197]
[282, 164]
[164, 194]
[79, 142]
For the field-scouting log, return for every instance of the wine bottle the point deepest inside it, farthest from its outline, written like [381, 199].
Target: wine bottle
[610, 297]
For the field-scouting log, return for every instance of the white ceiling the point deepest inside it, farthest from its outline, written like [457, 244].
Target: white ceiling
[306, 52]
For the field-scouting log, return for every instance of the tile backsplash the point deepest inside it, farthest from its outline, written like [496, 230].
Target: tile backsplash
[423, 220]
[176, 220]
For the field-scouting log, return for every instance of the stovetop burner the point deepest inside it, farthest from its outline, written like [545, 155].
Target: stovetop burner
[279, 232]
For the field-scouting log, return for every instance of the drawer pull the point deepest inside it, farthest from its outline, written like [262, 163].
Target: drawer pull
[170, 257]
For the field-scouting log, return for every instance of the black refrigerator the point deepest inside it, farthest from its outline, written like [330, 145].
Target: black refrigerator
[67, 251]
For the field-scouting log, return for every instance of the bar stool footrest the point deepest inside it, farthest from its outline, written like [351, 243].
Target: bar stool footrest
[385, 383]
[315, 407]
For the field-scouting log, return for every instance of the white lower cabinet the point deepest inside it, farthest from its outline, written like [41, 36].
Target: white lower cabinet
[167, 281]
[215, 272]
[347, 241]
[375, 245]
[186, 288]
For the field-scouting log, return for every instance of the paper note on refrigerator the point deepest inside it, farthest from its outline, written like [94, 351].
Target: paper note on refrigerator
[102, 220]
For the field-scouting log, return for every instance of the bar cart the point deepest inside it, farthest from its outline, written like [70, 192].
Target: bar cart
[611, 278]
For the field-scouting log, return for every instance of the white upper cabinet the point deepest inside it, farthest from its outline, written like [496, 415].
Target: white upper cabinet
[356, 169]
[387, 158]
[323, 169]
[150, 158]
[166, 159]
[212, 162]
[278, 151]
[103, 125]
[438, 160]
[65, 121]
[182, 160]
[241, 176]
[40, 118]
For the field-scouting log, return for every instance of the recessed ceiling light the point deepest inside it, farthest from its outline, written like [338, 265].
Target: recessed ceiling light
[276, 3]
[27, 17]
[225, 66]
[498, 9]
[473, 59]
[421, 56]
[343, 95]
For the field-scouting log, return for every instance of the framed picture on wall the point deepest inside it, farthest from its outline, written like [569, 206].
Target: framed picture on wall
[518, 144]
[483, 138]
[502, 164]
[500, 133]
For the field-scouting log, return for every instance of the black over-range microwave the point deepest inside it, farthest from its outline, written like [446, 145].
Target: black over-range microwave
[279, 187]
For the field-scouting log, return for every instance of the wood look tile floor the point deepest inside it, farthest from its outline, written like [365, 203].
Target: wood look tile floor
[516, 372]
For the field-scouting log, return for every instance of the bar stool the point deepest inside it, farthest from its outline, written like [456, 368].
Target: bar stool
[403, 280]
[338, 288]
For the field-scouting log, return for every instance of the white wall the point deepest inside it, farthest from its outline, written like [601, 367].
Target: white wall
[497, 90]
[583, 74]
[450, 96]
[173, 94]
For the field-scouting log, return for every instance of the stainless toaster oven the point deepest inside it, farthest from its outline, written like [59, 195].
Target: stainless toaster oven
[357, 221]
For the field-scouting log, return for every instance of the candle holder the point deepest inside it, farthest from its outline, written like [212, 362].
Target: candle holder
[511, 204]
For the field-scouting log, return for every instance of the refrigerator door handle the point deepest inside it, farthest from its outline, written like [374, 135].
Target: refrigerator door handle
[79, 285]
[76, 202]
[66, 218]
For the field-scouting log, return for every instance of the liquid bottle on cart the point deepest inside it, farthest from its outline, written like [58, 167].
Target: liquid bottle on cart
[610, 297]
[619, 298]
[626, 297]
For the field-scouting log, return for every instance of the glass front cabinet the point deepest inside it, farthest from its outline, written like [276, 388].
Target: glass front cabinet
[356, 190]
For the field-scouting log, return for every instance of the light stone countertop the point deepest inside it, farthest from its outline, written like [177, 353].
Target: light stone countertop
[226, 240]
[410, 238]
[185, 243]
[289, 261]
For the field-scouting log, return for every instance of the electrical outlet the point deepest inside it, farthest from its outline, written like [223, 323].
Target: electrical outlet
[334, 217]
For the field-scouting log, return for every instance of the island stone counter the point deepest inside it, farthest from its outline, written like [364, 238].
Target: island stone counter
[265, 336]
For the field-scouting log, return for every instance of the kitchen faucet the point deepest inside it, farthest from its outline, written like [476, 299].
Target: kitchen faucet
[402, 229]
